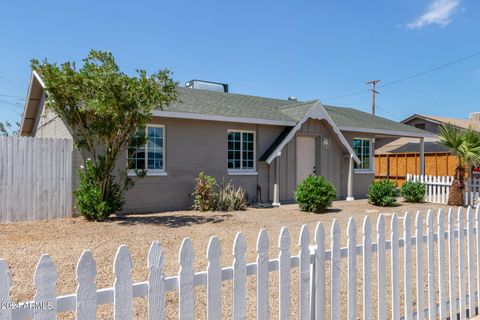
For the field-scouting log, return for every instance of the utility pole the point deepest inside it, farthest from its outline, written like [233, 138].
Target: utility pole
[374, 92]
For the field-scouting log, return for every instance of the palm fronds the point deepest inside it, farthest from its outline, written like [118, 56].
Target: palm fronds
[465, 144]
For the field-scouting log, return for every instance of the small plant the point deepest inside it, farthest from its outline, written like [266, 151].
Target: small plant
[231, 198]
[315, 194]
[205, 194]
[92, 203]
[209, 196]
[414, 191]
[383, 193]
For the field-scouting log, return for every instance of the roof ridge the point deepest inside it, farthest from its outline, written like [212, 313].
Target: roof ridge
[235, 94]
[300, 103]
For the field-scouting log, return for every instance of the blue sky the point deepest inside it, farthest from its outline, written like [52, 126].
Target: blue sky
[307, 49]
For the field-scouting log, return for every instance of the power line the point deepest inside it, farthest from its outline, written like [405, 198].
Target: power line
[416, 75]
[9, 96]
[11, 82]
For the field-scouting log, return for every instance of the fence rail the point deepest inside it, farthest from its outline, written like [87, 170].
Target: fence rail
[445, 273]
[438, 188]
[35, 178]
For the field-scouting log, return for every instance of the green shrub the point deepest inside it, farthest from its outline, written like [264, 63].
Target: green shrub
[230, 198]
[92, 203]
[205, 193]
[315, 194]
[383, 193]
[414, 191]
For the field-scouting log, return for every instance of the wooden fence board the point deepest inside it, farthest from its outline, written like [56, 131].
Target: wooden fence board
[35, 179]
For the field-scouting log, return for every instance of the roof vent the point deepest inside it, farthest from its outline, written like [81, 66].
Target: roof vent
[475, 116]
[291, 98]
[207, 85]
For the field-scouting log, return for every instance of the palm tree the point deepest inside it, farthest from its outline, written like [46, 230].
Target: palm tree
[465, 145]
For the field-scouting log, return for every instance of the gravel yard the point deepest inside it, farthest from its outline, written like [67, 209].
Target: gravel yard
[65, 239]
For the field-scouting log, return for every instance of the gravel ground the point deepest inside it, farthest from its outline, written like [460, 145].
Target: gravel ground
[65, 239]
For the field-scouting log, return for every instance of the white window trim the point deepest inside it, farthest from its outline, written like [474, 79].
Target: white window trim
[372, 160]
[244, 172]
[153, 172]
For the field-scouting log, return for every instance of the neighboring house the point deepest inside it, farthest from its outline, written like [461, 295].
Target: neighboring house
[397, 157]
[265, 145]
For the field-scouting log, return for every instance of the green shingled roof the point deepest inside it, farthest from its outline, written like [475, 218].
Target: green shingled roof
[349, 117]
[245, 106]
[231, 105]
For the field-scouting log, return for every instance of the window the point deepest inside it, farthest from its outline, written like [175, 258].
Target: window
[150, 156]
[241, 150]
[363, 150]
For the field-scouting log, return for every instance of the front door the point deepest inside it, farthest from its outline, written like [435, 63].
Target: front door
[305, 157]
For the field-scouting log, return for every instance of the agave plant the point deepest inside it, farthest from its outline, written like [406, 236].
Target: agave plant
[465, 145]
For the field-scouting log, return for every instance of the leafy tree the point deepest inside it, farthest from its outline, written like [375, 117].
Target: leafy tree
[103, 108]
[7, 130]
[465, 145]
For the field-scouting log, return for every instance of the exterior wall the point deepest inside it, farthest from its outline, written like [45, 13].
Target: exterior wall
[193, 146]
[48, 124]
[361, 180]
[429, 125]
[331, 162]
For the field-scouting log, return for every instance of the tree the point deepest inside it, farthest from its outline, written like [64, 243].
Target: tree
[103, 108]
[6, 129]
[465, 145]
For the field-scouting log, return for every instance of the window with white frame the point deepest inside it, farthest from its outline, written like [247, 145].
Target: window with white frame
[150, 156]
[363, 150]
[241, 150]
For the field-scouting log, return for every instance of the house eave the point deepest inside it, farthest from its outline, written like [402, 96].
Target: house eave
[392, 133]
[210, 117]
[317, 112]
[30, 104]
[419, 116]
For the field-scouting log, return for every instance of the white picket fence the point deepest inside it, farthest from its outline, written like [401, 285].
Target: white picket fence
[35, 178]
[438, 188]
[440, 256]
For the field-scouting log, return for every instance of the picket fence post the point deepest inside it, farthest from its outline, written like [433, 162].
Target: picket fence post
[214, 279]
[335, 271]
[156, 282]
[86, 304]
[262, 275]
[320, 292]
[186, 308]
[381, 270]
[352, 269]
[284, 302]
[5, 286]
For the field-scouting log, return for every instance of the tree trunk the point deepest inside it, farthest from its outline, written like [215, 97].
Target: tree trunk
[455, 197]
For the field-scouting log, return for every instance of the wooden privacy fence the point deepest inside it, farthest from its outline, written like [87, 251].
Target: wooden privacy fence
[446, 282]
[438, 188]
[35, 178]
[396, 166]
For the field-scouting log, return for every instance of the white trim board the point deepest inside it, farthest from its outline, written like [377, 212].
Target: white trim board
[211, 117]
[389, 132]
[316, 112]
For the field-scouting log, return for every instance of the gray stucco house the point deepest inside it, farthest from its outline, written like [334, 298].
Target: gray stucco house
[265, 145]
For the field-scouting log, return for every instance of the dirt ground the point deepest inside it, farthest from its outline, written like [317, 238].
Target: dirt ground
[65, 239]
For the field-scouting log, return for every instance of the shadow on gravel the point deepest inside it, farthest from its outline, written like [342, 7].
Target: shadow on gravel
[171, 221]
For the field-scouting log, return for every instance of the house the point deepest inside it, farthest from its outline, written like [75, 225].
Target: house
[265, 145]
[397, 157]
